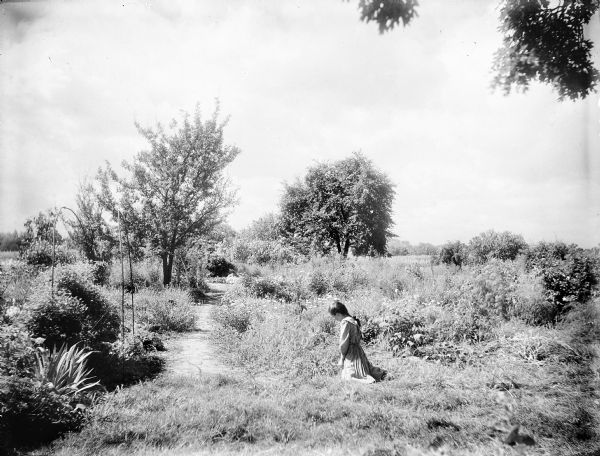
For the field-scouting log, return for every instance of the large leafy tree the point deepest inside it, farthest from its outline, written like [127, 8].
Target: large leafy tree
[543, 40]
[339, 206]
[176, 190]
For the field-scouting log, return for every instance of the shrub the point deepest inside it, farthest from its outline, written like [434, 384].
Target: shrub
[16, 351]
[100, 273]
[125, 364]
[262, 252]
[236, 317]
[167, 310]
[25, 407]
[453, 253]
[317, 283]
[546, 253]
[272, 288]
[39, 253]
[219, 267]
[502, 246]
[571, 280]
[146, 273]
[79, 312]
[64, 370]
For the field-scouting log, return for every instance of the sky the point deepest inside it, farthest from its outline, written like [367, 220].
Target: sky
[301, 82]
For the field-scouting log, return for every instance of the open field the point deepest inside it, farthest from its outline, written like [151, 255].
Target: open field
[452, 395]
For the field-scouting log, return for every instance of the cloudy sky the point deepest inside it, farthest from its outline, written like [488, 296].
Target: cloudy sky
[302, 81]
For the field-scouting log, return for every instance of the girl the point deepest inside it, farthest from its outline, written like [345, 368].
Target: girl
[354, 362]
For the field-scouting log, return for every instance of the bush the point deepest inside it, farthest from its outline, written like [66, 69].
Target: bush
[502, 246]
[219, 267]
[125, 364]
[571, 280]
[32, 414]
[276, 288]
[262, 252]
[317, 283]
[453, 253]
[79, 312]
[146, 273]
[16, 352]
[168, 310]
[236, 317]
[39, 253]
[546, 253]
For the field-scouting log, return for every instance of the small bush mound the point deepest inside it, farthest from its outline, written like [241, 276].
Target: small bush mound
[453, 253]
[220, 267]
[236, 317]
[78, 312]
[168, 310]
[31, 414]
[276, 288]
[125, 364]
[502, 246]
[39, 253]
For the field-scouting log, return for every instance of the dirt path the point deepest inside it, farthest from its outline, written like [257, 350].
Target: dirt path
[193, 353]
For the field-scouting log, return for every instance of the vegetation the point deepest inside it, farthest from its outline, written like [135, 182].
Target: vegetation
[466, 369]
[338, 206]
[176, 190]
[543, 40]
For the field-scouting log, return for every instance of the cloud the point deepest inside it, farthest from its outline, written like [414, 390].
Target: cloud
[303, 82]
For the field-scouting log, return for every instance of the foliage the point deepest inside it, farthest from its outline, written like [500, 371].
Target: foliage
[26, 406]
[78, 312]
[9, 242]
[64, 370]
[273, 287]
[126, 363]
[219, 266]
[234, 316]
[265, 228]
[387, 13]
[146, 273]
[544, 253]
[545, 41]
[571, 280]
[176, 190]
[89, 231]
[168, 310]
[16, 351]
[542, 40]
[453, 253]
[490, 244]
[338, 206]
[40, 253]
[262, 252]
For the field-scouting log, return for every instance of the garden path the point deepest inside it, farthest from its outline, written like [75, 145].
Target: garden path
[193, 353]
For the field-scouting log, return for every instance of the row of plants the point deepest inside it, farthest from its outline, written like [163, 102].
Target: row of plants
[62, 344]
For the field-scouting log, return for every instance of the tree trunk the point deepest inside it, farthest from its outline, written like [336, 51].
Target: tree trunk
[167, 261]
[346, 246]
[337, 244]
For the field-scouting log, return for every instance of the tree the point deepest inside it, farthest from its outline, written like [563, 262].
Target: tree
[543, 41]
[89, 231]
[338, 206]
[176, 190]
[265, 228]
[503, 246]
